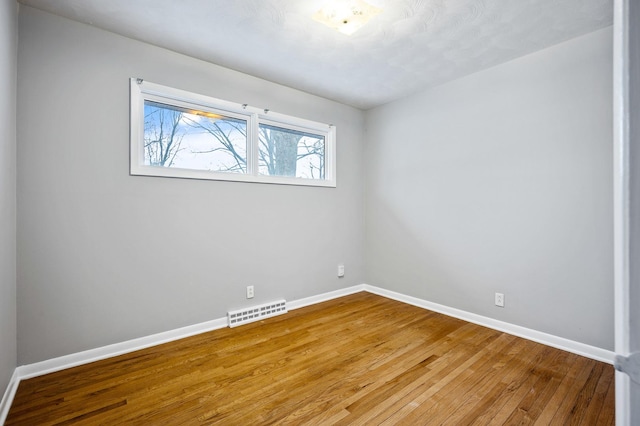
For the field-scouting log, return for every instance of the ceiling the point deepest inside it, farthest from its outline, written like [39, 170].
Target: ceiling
[410, 46]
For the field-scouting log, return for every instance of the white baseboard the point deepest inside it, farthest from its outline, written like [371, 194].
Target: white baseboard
[7, 398]
[72, 360]
[91, 355]
[312, 300]
[537, 336]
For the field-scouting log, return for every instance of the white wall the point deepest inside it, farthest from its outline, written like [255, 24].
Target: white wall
[103, 256]
[501, 182]
[8, 61]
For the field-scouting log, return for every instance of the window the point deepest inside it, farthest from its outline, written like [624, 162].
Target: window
[180, 134]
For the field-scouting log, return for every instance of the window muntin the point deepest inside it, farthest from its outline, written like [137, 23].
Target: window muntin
[180, 134]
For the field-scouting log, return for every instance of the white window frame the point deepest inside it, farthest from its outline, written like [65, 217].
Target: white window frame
[143, 90]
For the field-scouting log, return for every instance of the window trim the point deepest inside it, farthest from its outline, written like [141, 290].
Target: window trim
[141, 90]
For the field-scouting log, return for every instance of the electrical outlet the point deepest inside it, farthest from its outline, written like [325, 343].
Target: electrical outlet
[341, 271]
[500, 300]
[249, 292]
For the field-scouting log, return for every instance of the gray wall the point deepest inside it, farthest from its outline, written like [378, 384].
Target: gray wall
[105, 257]
[501, 182]
[8, 59]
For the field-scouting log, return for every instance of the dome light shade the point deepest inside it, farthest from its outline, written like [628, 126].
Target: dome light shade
[346, 16]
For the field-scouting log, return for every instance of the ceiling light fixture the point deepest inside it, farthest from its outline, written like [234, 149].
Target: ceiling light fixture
[346, 16]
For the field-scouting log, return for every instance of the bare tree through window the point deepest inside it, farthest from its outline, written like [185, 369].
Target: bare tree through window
[193, 139]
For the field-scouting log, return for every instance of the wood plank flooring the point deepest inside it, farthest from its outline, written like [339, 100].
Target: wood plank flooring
[358, 360]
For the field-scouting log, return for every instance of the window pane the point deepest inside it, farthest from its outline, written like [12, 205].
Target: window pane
[286, 152]
[193, 139]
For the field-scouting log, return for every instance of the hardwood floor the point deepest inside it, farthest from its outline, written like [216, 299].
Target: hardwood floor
[357, 360]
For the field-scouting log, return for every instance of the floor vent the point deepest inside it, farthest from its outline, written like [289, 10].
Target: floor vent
[256, 313]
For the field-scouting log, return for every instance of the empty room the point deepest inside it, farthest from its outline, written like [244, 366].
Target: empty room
[318, 212]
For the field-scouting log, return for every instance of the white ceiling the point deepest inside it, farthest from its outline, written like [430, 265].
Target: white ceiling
[412, 45]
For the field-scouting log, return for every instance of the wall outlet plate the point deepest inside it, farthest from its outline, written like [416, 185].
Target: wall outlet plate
[500, 300]
[249, 292]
